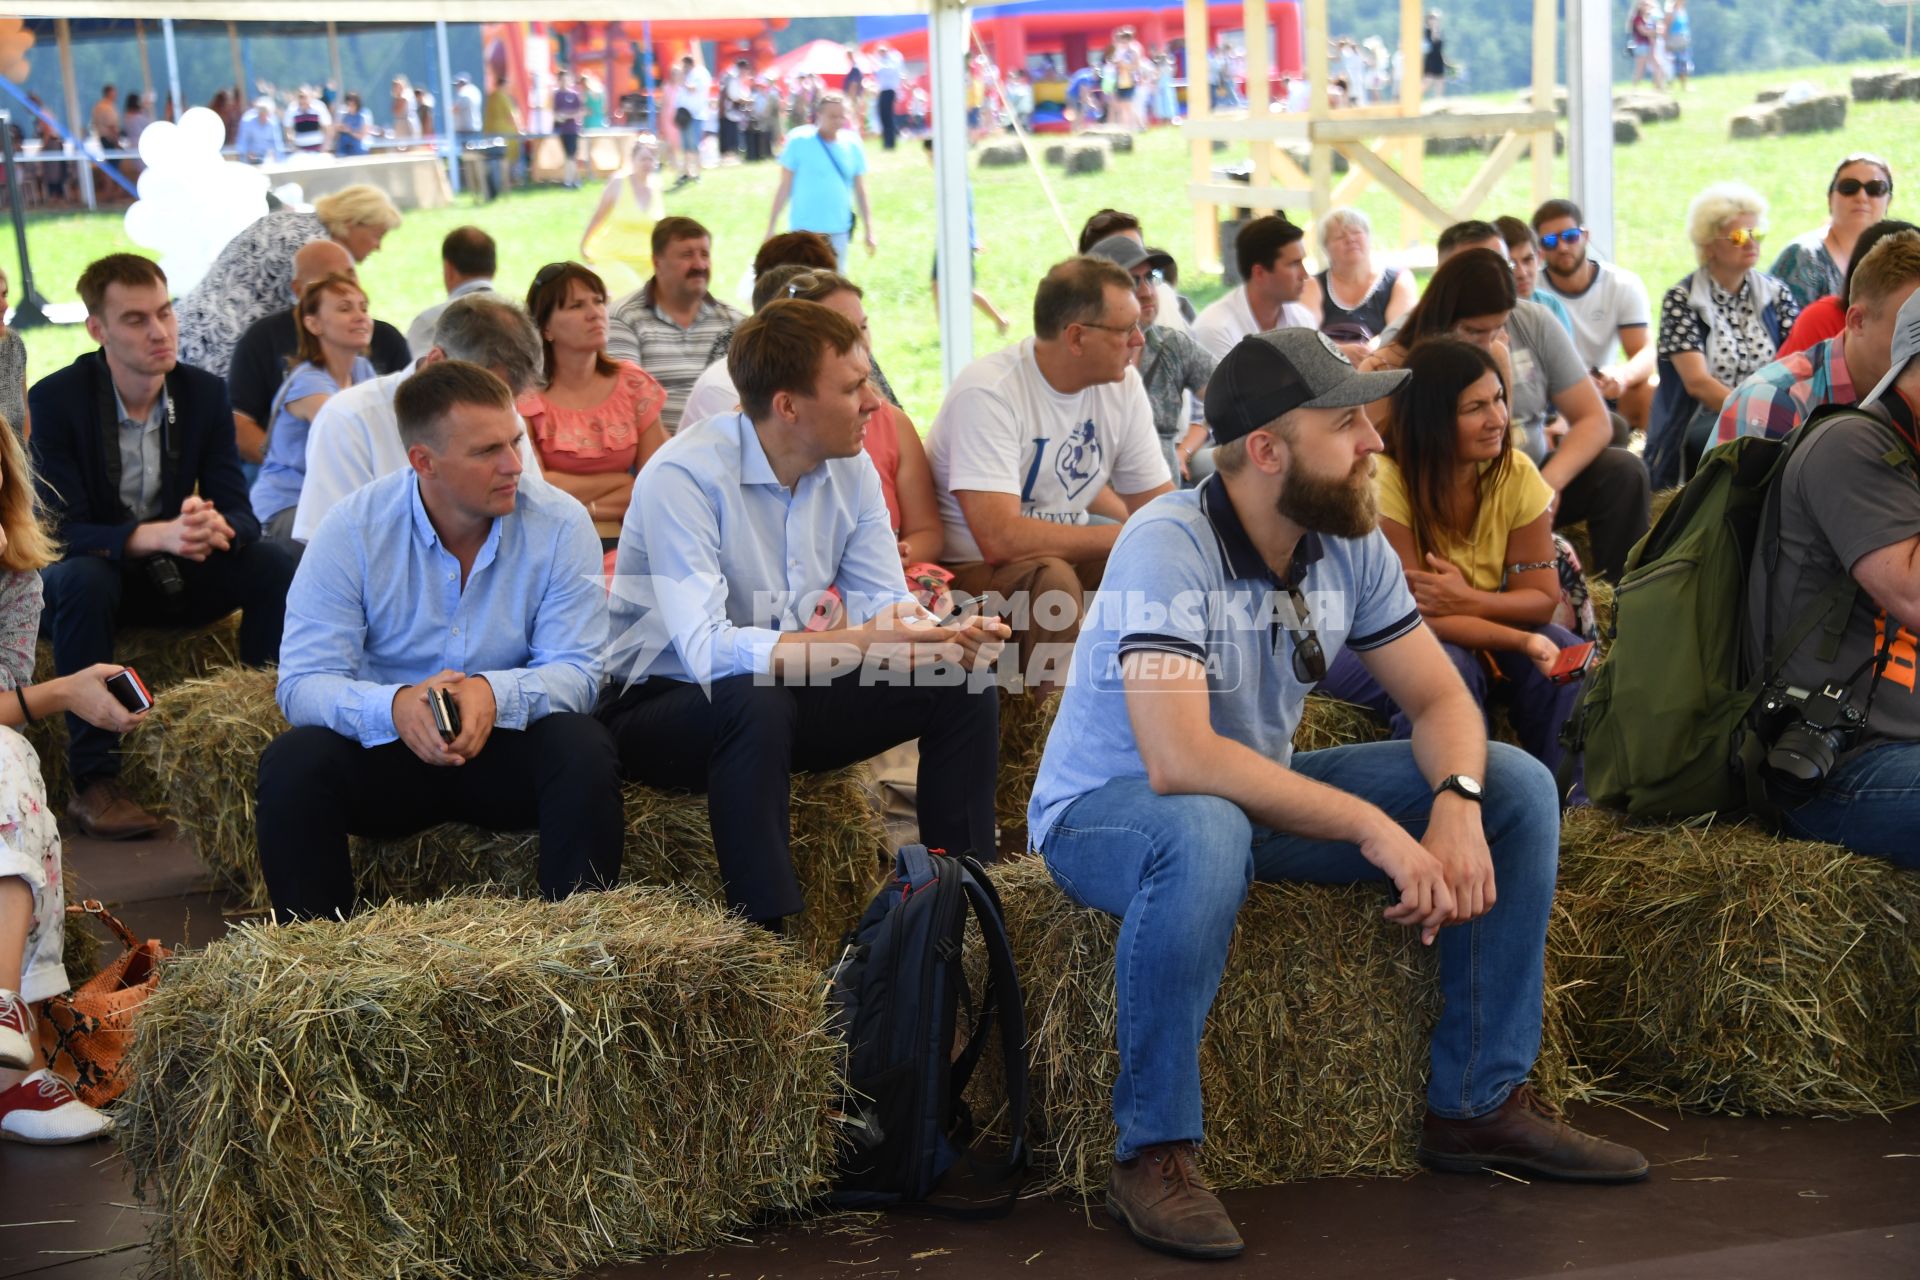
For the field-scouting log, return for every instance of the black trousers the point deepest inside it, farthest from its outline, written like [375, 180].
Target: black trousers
[889, 129]
[317, 788]
[88, 598]
[1613, 497]
[743, 744]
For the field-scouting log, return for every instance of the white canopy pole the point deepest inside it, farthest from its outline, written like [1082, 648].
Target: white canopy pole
[173, 70]
[443, 118]
[947, 67]
[1590, 38]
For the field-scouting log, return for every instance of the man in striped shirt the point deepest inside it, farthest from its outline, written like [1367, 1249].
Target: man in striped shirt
[671, 325]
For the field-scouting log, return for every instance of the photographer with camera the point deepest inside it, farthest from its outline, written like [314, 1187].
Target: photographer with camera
[136, 468]
[1841, 722]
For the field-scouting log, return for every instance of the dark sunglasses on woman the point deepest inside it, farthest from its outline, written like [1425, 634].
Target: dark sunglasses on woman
[1875, 187]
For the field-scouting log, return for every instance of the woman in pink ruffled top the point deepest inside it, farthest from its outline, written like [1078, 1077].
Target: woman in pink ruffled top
[596, 421]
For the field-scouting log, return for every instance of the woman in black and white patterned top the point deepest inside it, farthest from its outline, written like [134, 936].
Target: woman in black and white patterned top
[1717, 326]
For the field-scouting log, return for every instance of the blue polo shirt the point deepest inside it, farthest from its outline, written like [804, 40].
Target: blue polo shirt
[1185, 579]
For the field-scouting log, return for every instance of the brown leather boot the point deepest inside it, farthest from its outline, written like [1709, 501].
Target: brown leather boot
[1161, 1198]
[106, 810]
[1525, 1135]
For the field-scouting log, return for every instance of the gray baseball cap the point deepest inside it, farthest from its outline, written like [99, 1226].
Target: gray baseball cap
[1906, 345]
[1269, 374]
[1128, 252]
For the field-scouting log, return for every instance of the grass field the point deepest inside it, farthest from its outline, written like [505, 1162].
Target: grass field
[1021, 237]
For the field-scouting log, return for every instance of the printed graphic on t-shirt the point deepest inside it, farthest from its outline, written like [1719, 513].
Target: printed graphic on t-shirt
[1079, 463]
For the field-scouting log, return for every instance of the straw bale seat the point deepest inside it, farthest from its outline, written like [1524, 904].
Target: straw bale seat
[1000, 155]
[1314, 1062]
[477, 1086]
[1718, 968]
[163, 658]
[207, 737]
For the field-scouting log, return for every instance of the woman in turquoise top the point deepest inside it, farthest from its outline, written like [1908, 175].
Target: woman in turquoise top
[335, 327]
[1858, 194]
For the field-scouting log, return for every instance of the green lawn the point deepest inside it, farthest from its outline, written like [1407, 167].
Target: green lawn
[1655, 180]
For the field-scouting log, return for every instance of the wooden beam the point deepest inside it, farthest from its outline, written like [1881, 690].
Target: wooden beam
[1352, 186]
[146, 66]
[239, 66]
[1259, 57]
[1498, 162]
[1413, 151]
[1206, 216]
[1232, 194]
[76, 123]
[1390, 178]
[1545, 30]
[1241, 128]
[1319, 83]
[1463, 126]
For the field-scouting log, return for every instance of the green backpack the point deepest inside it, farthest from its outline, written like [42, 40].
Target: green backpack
[1663, 722]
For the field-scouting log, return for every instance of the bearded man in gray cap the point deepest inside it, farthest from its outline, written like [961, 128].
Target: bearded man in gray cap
[1169, 785]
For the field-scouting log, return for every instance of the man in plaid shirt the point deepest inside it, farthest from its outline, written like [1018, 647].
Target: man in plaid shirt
[1780, 396]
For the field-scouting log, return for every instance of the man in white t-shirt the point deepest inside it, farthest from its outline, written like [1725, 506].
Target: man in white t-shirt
[1272, 256]
[1024, 449]
[355, 438]
[1608, 308]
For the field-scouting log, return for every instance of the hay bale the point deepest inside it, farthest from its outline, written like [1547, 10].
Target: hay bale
[1025, 721]
[1874, 86]
[1718, 968]
[477, 1086]
[1646, 107]
[1770, 95]
[1314, 1062]
[206, 739]
[1085, 157]
[1822, 113]
[80, 950]
[1626, 128]
[1327, 722]
[1753, 122]
[1118, 141]
[163, 658]
[1906, 88]
[1000, 155]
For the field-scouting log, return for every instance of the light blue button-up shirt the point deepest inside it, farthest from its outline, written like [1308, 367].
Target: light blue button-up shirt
[718, 559]
[377, 604]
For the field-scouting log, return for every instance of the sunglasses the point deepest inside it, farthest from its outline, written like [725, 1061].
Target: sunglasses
[1144, 283]
[549, 273]
[1554, 239]
[1875, 187]
[1309, 659]
[1741, 237]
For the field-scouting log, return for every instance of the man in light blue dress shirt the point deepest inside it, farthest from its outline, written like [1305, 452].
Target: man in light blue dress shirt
[451, 575]
[761, 624]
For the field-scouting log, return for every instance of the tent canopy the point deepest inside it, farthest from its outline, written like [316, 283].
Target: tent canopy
[343, 12]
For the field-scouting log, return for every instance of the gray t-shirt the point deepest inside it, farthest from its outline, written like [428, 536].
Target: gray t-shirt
[1544, 365]
[1841, 499]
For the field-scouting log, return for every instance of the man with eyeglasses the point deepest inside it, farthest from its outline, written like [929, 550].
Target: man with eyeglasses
[1025, 448]
[1608, 307]
[1173, 367]
[1169, 784]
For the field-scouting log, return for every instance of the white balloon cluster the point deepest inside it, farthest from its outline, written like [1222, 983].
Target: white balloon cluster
[192, 201]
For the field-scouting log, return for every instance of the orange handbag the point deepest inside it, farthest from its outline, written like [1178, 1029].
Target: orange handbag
[87, 1032]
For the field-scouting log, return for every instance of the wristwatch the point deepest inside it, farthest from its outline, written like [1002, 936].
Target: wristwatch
[1461, 785]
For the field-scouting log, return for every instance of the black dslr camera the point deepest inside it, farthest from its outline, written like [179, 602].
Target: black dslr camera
[1809, 732]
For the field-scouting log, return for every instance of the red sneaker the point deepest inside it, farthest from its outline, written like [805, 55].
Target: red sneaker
[16, 1031]
[43, 1110]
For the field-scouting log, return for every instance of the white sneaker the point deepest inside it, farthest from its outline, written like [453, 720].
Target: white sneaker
[43, 1110]
[16, 1031]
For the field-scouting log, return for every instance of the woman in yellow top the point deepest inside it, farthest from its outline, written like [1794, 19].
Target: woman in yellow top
[621, 228]
[1472, 522]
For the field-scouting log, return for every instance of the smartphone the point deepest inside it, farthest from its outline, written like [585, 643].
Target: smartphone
[1573, 663]
[446, 713]
[130, 690]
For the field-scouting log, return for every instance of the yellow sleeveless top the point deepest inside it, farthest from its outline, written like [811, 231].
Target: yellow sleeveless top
[627, 234]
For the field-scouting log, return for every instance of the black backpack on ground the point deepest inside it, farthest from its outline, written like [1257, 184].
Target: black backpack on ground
[896, 996]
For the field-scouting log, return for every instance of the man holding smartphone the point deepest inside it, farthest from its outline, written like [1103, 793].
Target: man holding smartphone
[446, 587]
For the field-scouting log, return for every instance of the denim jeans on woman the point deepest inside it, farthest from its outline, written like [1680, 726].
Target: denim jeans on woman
[1871, 805]
[1175, 869]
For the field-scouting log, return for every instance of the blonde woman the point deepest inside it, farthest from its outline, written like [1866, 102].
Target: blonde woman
[620, 232]
[35, 1105]
[253, 276]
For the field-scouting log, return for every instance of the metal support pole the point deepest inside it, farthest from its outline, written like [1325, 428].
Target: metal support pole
[646, 77]
[333, 59]
[947, 66]
[173, 70]
[444, 121]
[29, 309]
[76, 123]
[146, 65]
[1590, 39]
[240, 84]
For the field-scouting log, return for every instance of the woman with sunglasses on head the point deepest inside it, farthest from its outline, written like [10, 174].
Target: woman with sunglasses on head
[1468, 298]
[1858, 194]
[594, 421]
[1717, 325]
[1471, 520]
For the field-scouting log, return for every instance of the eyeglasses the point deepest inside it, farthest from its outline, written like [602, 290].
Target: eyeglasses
[1554, 239]
[1741, 237]
[1875, 187]
[1124, 330]
[1309, 659]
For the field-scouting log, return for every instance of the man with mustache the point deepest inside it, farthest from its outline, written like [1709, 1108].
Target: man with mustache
[1169, 784]
[672, 325]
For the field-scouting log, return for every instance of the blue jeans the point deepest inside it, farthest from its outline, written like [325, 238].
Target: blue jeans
[1176, 868]
[1537, 706]
[840, 240]
[1870, 804]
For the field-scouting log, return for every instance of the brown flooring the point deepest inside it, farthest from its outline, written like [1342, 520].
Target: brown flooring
[1748, 1198]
